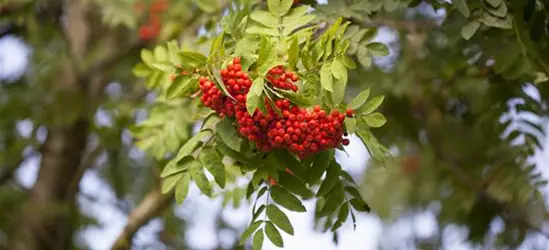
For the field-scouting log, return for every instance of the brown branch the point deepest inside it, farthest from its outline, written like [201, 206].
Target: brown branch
[151, 206]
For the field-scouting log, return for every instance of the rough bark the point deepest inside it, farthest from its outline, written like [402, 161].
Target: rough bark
[153, 204]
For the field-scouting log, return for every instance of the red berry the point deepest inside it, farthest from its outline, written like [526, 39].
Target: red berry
[345, 142]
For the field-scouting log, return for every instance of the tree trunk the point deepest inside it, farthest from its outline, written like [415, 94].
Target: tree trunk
[46, 218]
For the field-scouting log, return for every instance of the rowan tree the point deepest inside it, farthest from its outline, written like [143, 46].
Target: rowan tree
[270, 92]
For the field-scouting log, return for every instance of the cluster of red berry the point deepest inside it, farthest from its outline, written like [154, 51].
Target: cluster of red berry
[152, 29]
[300, 131]
[281, 79]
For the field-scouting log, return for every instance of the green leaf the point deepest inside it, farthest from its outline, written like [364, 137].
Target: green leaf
[294, 185]
[375, 120]
[332, 178]
[354, 192]
[252, 102]
[297, 17]
[197, 173]
[162, 66]
[258, 240]
[262, 31]
[180, 86]
[500, 11]
[192, 59]
[359, 205]
[469, 29]
[258, 212]
[217, 47]
[169, 183]
[338, 69]
[373, 147]
[462, 7]
[348, 62]
[192, 144]
[228, 134]
[326, 79]
[174, 167]
[280, 219]
[339, 90]
[249, 231]
[173, 50]
[265, 18]
[257, 86]
[321, 162]
[371, 105]
[293, 54]
[219, 82]
[273, 234]
[350, 124]
[363, 57]
[359, 100]
[213, 162]
[334, 200]
[237, 156]
[492, 21]
[296, 98]
[347, 176]
[341, 216]
[287, 200]
[378, 49]
[494, 3]
[160, 54]
[279, 7]
[208, 6]
[141, 70]
[182, 189]
[147, 57]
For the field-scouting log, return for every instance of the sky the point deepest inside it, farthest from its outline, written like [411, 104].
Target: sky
[368, 234]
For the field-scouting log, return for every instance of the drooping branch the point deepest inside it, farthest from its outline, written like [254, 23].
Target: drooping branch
[151, 206]
[473, 185]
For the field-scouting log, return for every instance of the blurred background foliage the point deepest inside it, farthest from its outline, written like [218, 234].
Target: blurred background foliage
[465, 116]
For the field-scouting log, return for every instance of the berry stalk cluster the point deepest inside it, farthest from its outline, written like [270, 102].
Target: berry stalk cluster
[296, 129]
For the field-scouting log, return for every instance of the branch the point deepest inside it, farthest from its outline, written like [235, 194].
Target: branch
[152, 205]
[463, 177]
